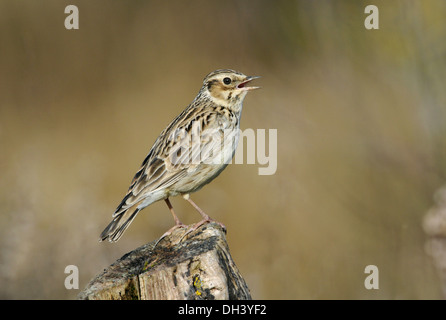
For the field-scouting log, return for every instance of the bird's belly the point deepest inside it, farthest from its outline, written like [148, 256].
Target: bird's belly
[203, 174]
[212, 163]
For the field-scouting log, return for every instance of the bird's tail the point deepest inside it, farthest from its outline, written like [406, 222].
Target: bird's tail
[119, 224]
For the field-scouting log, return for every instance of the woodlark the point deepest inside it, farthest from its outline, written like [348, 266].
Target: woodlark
[190, 152]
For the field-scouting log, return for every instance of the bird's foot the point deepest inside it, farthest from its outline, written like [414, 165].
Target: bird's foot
[169, 232]
[200, 223]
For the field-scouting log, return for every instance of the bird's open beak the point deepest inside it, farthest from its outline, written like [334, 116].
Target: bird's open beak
[248, 79]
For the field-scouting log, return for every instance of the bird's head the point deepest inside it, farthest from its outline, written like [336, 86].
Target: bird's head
[227, 87]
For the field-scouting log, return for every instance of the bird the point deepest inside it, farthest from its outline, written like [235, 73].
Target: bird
[189, 153]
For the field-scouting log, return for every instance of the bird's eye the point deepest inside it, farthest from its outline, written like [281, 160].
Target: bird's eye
[227, 80]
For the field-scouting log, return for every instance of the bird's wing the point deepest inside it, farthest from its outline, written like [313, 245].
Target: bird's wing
[170, 159]
[192, 139]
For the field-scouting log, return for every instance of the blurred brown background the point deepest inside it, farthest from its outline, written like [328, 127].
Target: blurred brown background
[361, 127]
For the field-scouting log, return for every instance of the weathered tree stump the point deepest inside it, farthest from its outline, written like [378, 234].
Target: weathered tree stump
[197, 267]
[434, 224]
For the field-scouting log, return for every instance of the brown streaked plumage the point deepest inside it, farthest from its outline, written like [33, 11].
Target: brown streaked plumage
[189, 153]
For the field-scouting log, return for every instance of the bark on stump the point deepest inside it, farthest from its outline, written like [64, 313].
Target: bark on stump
[199, 267]
[434, 225]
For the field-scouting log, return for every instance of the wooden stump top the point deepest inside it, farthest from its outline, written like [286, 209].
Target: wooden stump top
[197, 267]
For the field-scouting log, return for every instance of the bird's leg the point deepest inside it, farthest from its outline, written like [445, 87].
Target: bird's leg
[178, 223]
[203, 214]
[206, 218]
